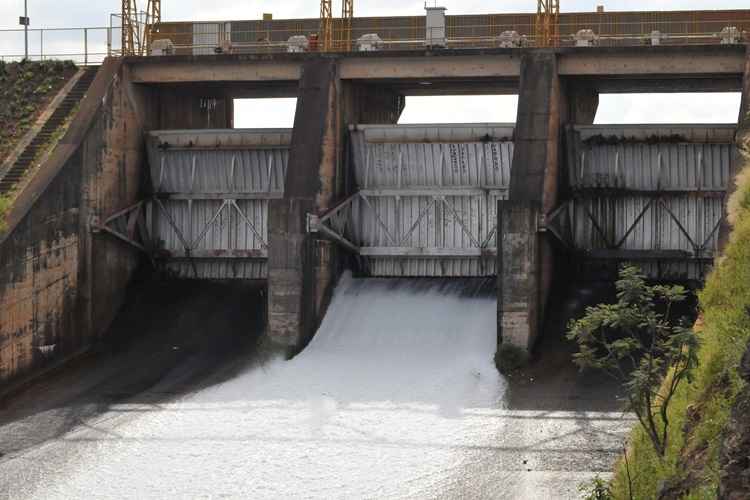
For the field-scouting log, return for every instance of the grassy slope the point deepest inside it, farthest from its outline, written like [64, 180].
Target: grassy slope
[701, 409]
[25, 90]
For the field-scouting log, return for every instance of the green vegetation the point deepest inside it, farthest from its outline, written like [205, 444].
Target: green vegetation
[700, 408]
[637, 341]
[596, 489]
[25, 89]
[52, 75]
[5, 203]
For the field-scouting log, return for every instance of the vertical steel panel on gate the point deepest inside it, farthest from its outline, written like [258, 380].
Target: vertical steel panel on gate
[211, 193]
[429, 195]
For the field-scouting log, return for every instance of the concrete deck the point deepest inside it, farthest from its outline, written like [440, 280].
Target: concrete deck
[698, 68]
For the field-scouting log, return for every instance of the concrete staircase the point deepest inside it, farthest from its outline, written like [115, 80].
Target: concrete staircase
[15, 174]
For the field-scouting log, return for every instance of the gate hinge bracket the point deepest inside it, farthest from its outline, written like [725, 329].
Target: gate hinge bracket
[541, 223]
[313, 223]
[94, 226]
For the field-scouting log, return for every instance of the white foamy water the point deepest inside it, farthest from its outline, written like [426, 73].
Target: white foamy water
[396, 397]
[384, 402]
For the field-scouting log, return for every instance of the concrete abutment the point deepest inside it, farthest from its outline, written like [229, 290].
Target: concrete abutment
[61, 283]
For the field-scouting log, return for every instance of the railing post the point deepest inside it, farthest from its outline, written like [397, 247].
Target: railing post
[85, 46]
[109, 41]
[26, 30]
[41, 44]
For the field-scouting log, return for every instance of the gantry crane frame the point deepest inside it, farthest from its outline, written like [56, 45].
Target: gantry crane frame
[325, 38]
[331, 37]
[547, 24]
[344, 41]
[129, 29]
[153, 18]
[138, 26]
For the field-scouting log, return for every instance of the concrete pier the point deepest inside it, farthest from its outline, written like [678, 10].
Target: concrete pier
[294, 265]
[302, 268]
[546, 105]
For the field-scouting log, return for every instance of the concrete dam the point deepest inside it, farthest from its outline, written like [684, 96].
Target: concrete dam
[318, 307]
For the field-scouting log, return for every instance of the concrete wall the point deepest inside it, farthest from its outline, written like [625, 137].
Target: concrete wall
[193, 107]
[60, 285]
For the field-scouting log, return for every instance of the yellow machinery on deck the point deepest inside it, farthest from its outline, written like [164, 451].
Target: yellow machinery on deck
[138, 26]
[547, 24]
[336, 38]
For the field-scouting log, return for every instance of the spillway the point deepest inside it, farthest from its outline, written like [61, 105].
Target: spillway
[395, 397]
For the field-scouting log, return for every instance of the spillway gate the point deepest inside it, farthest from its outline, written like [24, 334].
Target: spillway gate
[207, 217]
[426, 197]
[653, 194]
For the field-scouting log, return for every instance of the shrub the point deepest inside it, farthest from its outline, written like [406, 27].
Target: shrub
[637, 341]
[596, 489]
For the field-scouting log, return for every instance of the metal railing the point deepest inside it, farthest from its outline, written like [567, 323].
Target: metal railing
[84, 46]
[91, 45]
[208, 38]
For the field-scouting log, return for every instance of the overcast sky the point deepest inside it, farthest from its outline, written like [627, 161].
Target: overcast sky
[58, 13]
[613, 109]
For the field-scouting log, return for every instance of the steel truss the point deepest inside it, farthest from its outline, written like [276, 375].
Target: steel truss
[547, 23]
[138, 27]
[562, 221]
[128, 225]
[326, 25]
[338, 224]
[133, 225]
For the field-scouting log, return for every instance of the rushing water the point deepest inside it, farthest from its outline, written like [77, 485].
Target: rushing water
[396, 396]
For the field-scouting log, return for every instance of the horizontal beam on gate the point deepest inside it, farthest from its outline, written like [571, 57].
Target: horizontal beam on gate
[426, 252]
[450, 86]
[627, 84]
[214, 254]
[613, 254]
[611, 192]
[221, 196]
[458, 191]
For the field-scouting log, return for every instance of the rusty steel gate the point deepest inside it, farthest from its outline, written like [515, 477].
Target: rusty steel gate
[426, 199]
[652, 194]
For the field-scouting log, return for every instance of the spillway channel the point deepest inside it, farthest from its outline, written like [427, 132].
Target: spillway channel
[396, 396]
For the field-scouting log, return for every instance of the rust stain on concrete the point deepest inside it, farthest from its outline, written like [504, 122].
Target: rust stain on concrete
[33, 303]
